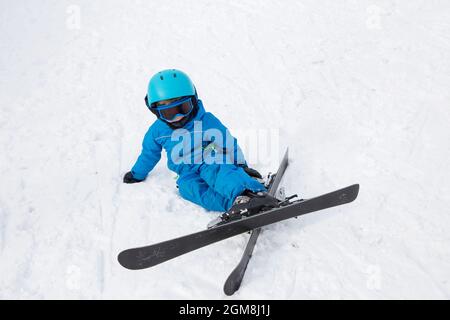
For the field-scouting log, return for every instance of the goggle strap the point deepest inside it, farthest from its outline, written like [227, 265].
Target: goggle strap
[146, 101]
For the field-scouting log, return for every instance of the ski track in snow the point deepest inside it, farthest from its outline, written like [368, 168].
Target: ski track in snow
[357, 90]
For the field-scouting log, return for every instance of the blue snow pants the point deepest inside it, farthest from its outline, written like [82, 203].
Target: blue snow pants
[216, 186]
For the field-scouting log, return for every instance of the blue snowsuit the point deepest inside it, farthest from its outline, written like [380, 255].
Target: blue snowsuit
[209, 167]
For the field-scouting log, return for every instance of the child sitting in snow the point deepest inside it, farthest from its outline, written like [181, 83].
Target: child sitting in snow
[210, 165]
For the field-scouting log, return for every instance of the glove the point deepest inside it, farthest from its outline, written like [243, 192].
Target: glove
[128, 178]
[252, 172]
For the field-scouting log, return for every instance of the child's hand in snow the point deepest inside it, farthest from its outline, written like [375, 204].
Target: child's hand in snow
[128, 178]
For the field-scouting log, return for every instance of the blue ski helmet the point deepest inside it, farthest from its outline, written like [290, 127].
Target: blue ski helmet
[169, 84]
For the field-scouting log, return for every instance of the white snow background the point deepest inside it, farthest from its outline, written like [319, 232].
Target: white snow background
[359, 91]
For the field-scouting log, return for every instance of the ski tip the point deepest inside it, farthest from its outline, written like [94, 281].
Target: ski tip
[230, 287]
[234, 280]
[121, 259]
[124, 260]
[354, 191]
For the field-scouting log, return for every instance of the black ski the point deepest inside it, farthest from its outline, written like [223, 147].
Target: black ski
[149, 256]
[234, 280]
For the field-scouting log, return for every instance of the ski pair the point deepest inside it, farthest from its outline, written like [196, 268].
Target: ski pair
[149, 256]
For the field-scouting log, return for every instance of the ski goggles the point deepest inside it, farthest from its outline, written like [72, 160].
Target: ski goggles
[181, 107]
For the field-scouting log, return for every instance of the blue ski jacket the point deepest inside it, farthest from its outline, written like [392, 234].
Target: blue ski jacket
[205, 156]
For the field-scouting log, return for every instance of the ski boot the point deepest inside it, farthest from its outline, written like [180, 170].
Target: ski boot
[247, 204]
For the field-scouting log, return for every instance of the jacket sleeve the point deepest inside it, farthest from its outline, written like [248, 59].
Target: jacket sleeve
[230, 142]
[149, 157]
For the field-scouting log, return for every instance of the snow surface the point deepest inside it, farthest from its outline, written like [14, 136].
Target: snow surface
[359, 91]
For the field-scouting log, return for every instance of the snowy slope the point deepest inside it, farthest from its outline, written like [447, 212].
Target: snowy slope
[357, 89]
